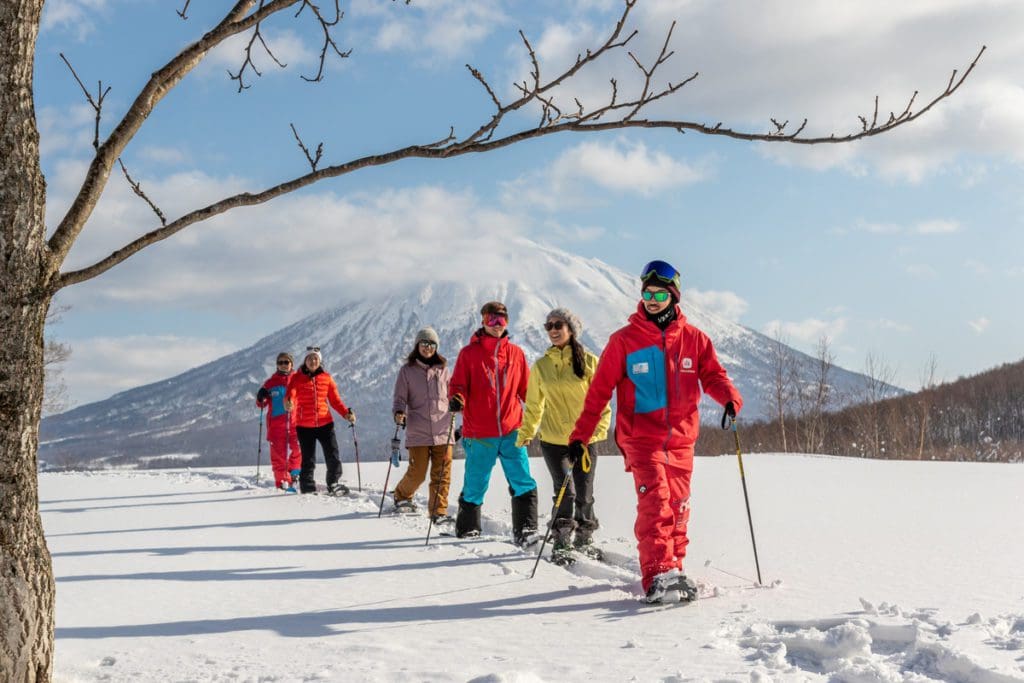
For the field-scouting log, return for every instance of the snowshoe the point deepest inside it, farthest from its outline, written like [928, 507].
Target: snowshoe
[338, 489]
[472, 533]
[286, 486]
[590, 550]
[562, 555]
[527, 537]
[445, 525]
[671, 586]
[405, 507]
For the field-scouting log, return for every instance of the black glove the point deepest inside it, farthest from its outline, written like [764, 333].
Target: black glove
[575, 451]
[458, 433]
[455, 404]
[728, 413]
[263, 395]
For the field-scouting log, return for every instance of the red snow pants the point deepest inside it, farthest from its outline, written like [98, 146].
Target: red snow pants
[662, 487]
[284, 448]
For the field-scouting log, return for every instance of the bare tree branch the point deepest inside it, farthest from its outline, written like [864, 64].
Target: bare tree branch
[137, 189]
[313, 161]
[97, 104]
[326, 26]
[183, 12]
[248, 63]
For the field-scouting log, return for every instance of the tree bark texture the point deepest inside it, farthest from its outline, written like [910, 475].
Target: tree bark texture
[26, 572]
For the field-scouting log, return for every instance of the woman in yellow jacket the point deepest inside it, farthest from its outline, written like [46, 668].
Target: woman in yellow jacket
[554, 399]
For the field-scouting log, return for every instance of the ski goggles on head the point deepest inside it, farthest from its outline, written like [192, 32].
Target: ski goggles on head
[659, 296]
[662, 271]
[313, 349]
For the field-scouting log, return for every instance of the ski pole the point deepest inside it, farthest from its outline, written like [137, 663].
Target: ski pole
[444, 471]
[551, 522]
[259, 449]
[355, 444]
[746, 499]
[395, 445]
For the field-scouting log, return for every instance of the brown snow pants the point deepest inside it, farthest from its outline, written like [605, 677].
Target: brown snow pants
[440, 460]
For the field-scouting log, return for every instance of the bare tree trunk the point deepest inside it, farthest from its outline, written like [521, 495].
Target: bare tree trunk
[26, 573]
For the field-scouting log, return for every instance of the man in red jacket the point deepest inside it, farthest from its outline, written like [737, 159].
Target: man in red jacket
[489, 385]
[281, 426]
[657, 365]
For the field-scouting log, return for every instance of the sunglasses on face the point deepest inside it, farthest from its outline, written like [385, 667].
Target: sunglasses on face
[428, 344]
[495, 321]
[284, 362]
[556, 325]
[659, 296]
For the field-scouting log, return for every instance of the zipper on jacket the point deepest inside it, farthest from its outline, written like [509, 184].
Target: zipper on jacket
[668, 419]
[497, 386]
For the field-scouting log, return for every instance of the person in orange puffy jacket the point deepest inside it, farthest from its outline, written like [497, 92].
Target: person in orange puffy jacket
[312, 393]
[657, 366]
[285, 458]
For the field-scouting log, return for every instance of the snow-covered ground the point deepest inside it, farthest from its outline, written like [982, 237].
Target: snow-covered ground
[886, 571]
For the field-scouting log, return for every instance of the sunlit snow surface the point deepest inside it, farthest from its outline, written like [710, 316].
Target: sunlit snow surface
[881, 571]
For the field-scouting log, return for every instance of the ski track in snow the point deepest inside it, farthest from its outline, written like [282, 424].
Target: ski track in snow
[879, 642]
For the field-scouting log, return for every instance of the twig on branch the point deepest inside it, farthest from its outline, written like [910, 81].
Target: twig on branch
[313, 160]
[97, 104]
[328, 38]
[256, 35]
[183, 12]
[137, 189]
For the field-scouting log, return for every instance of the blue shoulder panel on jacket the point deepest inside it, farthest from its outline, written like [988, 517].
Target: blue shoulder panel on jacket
[277, 400]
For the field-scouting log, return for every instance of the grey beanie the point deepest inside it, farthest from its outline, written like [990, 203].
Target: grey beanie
[570, 318]
[427, 334]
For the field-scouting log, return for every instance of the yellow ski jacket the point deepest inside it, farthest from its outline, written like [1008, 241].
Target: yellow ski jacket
[554, 398]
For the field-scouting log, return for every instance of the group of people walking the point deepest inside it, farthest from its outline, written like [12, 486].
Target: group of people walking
[657, 366]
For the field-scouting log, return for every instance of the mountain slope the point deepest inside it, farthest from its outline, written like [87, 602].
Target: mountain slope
[210, 411]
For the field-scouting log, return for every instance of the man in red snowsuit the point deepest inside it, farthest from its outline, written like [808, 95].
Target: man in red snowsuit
[657, 365]
[285, 458]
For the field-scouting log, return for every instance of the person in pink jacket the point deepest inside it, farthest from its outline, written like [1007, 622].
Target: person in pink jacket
[657, 366]
[421, 404]
[285, 457]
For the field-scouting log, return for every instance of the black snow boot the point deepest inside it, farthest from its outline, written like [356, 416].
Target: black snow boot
[524, 518]
[467, 523]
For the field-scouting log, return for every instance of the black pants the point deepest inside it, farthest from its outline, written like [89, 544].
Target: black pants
[578, 501]
[308, 436]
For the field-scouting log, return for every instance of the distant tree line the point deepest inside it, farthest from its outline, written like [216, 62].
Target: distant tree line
[979, 418]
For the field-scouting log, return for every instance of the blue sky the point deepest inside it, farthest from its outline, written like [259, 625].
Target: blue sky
[902, 246]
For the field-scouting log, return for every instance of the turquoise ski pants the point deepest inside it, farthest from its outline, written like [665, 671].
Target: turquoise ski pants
[481, 455]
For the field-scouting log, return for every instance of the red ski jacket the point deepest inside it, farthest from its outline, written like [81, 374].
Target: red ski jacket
[311, 395]
[490, 377]
[657, 376]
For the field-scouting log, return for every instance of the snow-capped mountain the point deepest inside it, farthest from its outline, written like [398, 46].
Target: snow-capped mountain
[209, 410]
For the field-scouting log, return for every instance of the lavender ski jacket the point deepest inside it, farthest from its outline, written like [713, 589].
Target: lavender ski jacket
[421, 392]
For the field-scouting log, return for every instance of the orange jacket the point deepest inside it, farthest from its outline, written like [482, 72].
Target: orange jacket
[311, 394]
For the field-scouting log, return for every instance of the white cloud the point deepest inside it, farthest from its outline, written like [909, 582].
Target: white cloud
[937, 227]
[753, 63]
[306, 248]
[921, 270]
[163, 155]
[432, 29]
[72, 15]
[807, 331]
[620, 166]
[979, 325]
[102, 366]
[728, 305]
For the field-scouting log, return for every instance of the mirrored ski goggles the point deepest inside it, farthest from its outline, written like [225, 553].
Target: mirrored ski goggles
[313, 348]
[661, 270]
[659, 296]
[495, 320]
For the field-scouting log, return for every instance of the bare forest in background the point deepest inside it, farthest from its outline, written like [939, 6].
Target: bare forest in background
[978, 418]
